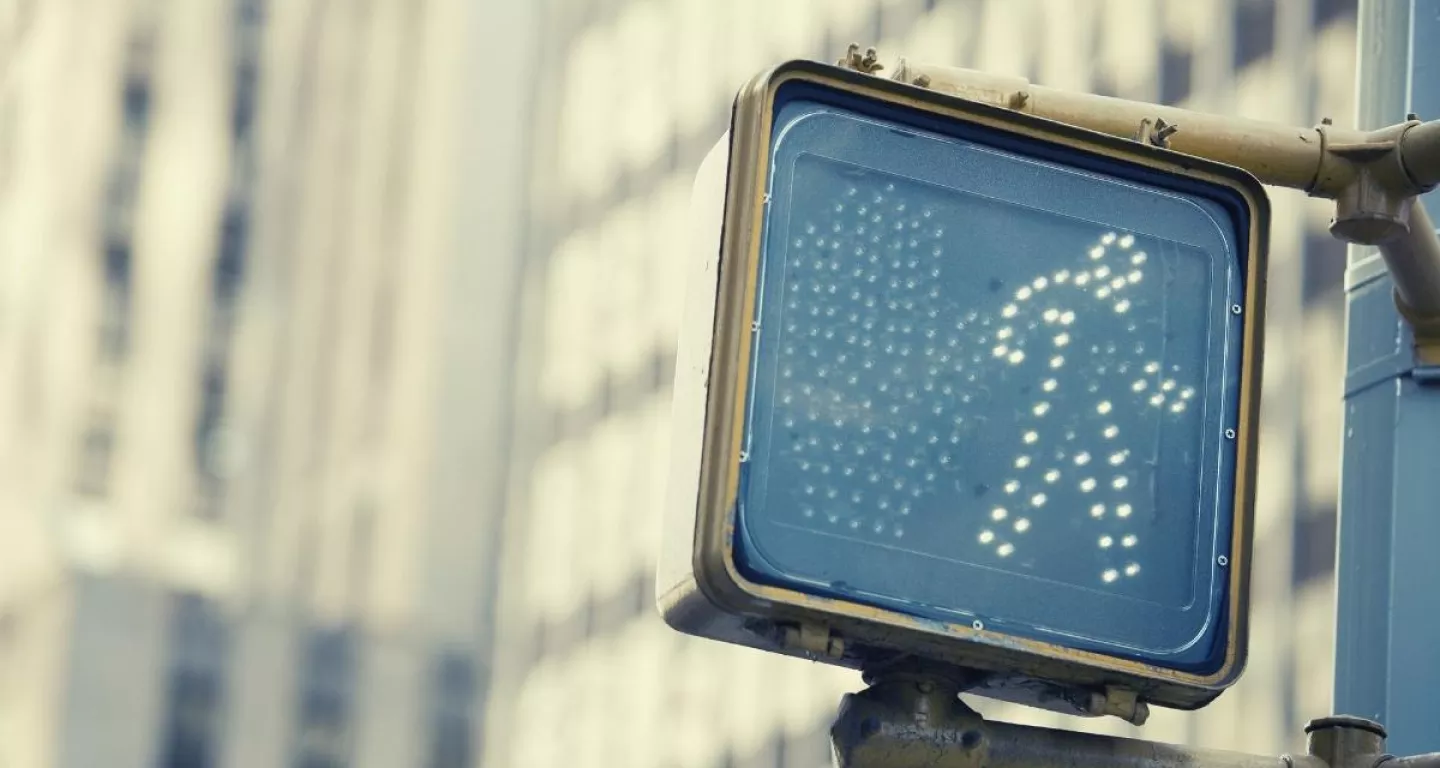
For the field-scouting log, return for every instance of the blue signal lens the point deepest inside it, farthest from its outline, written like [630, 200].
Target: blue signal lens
[991, 386]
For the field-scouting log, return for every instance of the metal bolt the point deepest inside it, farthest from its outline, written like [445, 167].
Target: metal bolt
[1326, 121]
[1230, 433]
[1223, 561]
[1411, 117]
[1236, 309]
[977, 624]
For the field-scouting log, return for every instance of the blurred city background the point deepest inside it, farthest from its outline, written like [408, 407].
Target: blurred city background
[336, 340]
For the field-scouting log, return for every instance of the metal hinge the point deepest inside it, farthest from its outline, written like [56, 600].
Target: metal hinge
[1122, 703]
[817, 639]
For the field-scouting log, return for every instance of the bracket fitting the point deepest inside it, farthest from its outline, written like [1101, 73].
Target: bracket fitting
[868, 63]
[1156, 133]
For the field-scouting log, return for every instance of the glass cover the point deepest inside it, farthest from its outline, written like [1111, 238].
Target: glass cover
[991, 388]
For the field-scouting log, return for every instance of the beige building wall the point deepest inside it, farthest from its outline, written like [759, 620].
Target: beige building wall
[255, 286]
[632, 94]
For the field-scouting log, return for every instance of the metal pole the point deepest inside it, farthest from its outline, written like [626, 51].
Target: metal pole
[1387, 667]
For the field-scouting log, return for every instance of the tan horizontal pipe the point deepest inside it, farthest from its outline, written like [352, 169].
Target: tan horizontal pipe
[1276, 154]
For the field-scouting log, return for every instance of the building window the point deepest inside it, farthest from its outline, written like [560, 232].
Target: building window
[121, 192]
[326, 700]
[1329, 11]
[1175, 73]
[195, 709]
[1324, 267]
[1254, 31]
[230, 258]
[115, 307]
[453, 697]
[96, 448]
[209, 443]
[1314, 545]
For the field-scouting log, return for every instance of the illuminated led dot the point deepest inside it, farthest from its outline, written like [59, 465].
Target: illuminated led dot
[1120, 483]
[1097, 252]
[1104, 407]
[1062, 276]
[1005, 550]
[1103, 292]
[1134, 276]
[1122, 306]
[1057, 361]
[1016, 357]
[1127, 241]
[1038, 500]
[999, 513]
[1152, 367]
[1024, 293]
[1062, 339]
[1106, 542]
[1132, 569]
[1022, 462]
[1040, 284]
[987, 536]
[1041, 409]
[1082, 458]
[1022, 525]
[1067, 318]
[1117, 283]
[1128, 541]
[1009, 310]
[1088, 484]
[1097, 511]
[1005, 333]
[1118, 458]
[1157, 399]
[1001, 350]
[1031, 437]
[1052, 475]
[1110, 575]
[1177, 407]
[1051, 315]
[1102, 272]
[1082, 279]
[1187, 393]
[1108, 238]
[1139, 385]
[1124, 510]
[1111, 431]
[1049, 385]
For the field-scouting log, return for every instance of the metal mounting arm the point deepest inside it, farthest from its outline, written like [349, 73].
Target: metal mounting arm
[1373, 176]
[912, 717]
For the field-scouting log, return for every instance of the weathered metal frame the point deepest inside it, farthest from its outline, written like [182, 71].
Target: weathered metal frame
[718, 601]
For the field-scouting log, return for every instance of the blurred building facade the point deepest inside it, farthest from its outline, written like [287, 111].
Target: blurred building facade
[631, 94]
[256, 265]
